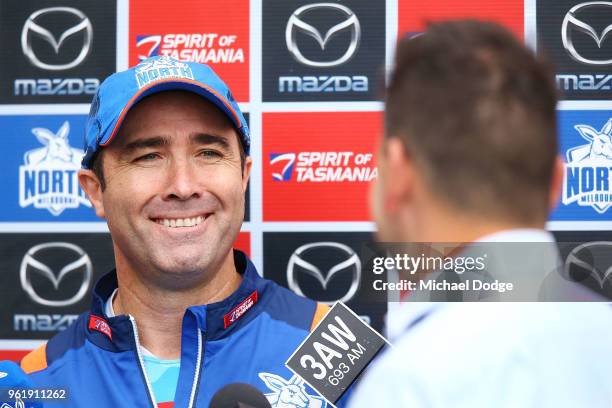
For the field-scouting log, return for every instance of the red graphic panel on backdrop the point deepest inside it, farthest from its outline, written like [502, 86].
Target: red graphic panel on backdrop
[318, 166]
[214, 33]
[243, 243]
[415, 14]
[13, 355]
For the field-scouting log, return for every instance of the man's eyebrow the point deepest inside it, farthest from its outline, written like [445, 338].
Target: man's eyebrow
[156, 141]
[208, 139]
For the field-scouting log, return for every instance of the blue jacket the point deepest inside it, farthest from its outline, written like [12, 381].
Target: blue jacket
[245, 338]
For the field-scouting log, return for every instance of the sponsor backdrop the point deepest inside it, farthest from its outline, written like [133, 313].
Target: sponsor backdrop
[39, 309]
[308, 73]
[588, 258]
[59, 52]
[343, 63]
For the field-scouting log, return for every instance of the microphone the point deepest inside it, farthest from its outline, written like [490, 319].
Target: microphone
[239, 395]
[335, 353]
[13, 378]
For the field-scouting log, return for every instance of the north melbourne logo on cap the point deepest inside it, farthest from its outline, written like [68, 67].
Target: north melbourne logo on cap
[161, 68]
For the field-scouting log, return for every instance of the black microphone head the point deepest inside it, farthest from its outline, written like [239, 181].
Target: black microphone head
[239, 395]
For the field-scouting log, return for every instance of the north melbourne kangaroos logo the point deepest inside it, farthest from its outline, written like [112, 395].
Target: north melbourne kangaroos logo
[157, 68]
[588, 173]
[48, 178]
[289, 393]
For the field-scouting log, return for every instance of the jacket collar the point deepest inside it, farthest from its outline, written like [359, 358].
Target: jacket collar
[218, 319]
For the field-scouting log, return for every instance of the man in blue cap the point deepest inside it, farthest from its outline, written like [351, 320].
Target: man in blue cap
[167, 165]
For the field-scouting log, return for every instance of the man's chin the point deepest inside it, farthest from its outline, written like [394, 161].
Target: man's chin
[182, 274]
[185, 261]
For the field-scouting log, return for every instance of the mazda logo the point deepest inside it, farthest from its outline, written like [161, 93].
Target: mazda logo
[32, 28]
[571, 23]
[296, 23]
[591, 259]
[78, 261]
[350, 263]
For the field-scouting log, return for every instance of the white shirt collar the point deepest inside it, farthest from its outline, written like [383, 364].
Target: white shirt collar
[518, 235]
[401, 315]
[110, 312]
[108, 307]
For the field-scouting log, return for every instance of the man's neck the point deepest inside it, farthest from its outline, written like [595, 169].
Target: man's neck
[159, 312]
[442, 225]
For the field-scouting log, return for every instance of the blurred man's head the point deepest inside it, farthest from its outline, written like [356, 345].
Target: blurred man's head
[470, 134]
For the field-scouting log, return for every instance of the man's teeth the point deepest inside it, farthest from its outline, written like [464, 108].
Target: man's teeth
[181, 222]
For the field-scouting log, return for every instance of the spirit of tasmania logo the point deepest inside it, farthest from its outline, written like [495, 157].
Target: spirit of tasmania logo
[48, 178]
[588, 173]
[323, 167]
[205, 48]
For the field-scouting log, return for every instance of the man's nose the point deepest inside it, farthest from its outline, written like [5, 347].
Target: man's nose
[182, 182]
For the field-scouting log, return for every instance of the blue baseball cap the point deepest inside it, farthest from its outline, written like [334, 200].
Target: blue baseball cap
[122, 90]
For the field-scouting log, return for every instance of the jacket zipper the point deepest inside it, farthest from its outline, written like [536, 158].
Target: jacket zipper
[196, 379]
[141, 362]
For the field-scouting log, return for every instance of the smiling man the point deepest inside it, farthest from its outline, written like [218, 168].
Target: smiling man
[183, 314]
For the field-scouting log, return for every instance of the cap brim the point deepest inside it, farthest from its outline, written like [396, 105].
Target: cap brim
[176, 84]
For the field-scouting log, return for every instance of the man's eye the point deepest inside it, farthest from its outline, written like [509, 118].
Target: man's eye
[211, 154]
[147, 157]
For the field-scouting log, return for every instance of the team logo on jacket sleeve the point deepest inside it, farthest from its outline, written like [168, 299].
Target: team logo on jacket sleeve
[236, 313]
[100, 325]
[289, 393]
[589, 169]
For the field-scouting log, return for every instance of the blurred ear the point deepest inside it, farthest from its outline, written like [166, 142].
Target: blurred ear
[399, 176]
[556, 183]
[91, 185]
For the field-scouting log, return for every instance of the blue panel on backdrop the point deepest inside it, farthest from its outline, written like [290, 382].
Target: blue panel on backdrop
[41, 155]
[586, 146]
